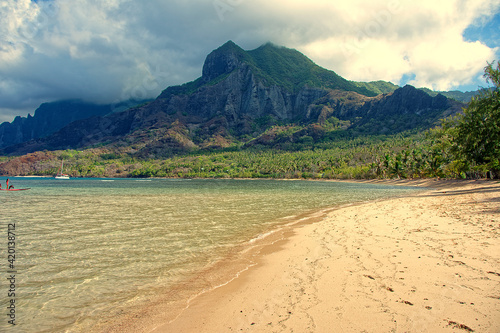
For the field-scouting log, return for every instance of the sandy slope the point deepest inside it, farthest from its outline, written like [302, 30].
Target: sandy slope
[428, 263]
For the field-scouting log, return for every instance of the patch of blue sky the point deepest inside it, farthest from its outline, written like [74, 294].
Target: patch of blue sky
[406, 79]
[485, 30]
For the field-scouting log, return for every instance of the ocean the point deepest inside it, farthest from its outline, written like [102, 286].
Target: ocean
[77, 253]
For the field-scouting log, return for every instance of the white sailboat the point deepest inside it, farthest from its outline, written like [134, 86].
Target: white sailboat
[60, 174]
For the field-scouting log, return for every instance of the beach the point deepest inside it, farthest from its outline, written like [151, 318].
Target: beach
[429, 262]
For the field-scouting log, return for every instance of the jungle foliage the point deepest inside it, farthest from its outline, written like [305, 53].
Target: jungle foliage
[473, 138]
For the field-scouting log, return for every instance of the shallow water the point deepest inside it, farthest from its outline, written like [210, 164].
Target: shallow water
[87, 247]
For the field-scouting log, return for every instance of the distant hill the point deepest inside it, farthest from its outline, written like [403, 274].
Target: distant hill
[463, 97]
[51, 117]
[378, 87]
[48, 118]
[242, 96]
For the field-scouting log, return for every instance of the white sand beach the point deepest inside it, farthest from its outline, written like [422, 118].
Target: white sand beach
[425, 263]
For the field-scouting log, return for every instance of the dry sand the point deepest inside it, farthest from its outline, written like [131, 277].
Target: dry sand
[426, 263]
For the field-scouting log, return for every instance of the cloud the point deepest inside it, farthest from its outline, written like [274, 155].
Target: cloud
[109, 50]
[423, 38]
[486, 30]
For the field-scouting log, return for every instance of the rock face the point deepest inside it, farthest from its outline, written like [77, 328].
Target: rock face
[405, 109]
[240, 95]
[233, 89]
[222, 61]
[241, 98]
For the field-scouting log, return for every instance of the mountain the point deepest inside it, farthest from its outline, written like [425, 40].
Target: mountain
[463, 97]
[240, 96]
[405, 109]
[48, 118]
[51, 117]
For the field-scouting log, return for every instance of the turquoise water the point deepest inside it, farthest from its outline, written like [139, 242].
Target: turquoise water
[86, 248]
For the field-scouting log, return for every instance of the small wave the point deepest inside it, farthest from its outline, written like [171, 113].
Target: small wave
[262, 236]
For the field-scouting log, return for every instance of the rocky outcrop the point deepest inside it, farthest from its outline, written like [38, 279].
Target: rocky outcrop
[234, 90]
[222, 61]
[239, 98]
[405, 109]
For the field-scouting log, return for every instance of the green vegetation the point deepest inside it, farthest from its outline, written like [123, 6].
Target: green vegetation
[478, 130]
[464, 146]
[400, 156]
[378, 87]
[345, 159]
[463, 97]
[473, 138]
[291, 69]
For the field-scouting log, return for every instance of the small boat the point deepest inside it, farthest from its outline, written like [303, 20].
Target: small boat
[14, 189]
[60, 174]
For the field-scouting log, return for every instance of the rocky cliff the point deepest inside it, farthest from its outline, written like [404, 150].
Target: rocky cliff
[405, 109]
[243, 86]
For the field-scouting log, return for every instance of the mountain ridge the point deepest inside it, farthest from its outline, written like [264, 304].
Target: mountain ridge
[240, 95]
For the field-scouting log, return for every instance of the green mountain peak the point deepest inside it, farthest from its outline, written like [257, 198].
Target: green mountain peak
[278, 65]
[275, 65]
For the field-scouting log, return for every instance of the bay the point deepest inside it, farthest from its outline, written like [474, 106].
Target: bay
[87, 249]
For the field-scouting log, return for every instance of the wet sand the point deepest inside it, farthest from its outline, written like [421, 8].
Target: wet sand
[425, 263]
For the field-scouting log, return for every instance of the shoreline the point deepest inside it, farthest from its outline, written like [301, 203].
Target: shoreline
[281, 281]
[238, 260]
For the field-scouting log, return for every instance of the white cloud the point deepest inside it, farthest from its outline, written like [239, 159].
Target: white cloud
[423, 38]
[103, 50]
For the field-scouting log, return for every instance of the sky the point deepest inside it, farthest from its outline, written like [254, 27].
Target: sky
[106, 51]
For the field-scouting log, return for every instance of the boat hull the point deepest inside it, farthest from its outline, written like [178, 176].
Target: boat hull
[14, 189]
